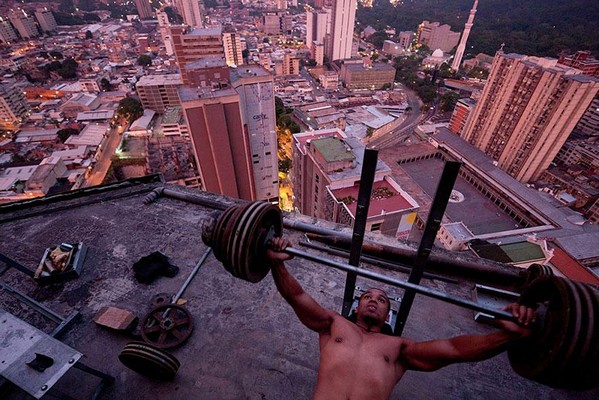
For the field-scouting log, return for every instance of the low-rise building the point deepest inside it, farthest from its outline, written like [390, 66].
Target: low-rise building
[157, 92]
[367, 75]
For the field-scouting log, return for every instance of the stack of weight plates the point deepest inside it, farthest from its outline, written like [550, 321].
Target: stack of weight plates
[149, 361]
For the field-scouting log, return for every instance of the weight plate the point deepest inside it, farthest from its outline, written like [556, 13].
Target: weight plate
[218, 247]
[240, 237]
[269, 219]
[229, 239]
[147, 348]
[148, 366]
[151, 357]
[167, 326]
[160, 299]
[245, 257]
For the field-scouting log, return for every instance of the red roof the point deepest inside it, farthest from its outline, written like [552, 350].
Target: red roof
[394, 203]
[571, 268]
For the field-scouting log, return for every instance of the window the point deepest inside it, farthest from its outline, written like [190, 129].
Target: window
[375, 227]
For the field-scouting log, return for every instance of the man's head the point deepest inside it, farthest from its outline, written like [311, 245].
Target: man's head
[373, 307]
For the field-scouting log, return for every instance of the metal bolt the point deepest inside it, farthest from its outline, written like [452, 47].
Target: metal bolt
[71, 361]
[45, 387]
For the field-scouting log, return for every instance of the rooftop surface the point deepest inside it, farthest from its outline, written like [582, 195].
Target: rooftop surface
[156, 80]
[247, 343]
[384, 199]
[333, 149]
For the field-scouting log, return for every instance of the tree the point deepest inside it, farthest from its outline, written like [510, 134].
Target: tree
[245, 53]
[57, 55]
[65, 133]
[66, 6]
[89, 35]
[173, 17]
[68, 70]
[285, 165]
[105, 85]
[144, 60]
[449, 100]
[130, 109]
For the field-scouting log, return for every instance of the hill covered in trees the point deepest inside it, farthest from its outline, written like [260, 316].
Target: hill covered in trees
[531, 27]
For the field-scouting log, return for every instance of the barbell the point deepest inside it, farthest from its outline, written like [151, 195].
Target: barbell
[563, 352]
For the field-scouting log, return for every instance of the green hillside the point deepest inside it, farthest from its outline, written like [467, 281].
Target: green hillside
[532, 27]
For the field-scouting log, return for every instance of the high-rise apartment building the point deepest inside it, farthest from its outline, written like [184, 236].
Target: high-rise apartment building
[316, 26]
[46, 19]
[437, 36]
[13, 106]
[191, 12]
[461, 112]
[158, 92]
[191, 45]
[527, 110]
[339, 41]
[23, 23]
[255, 87]
[221, 145]
[589, 123]
[165, 33]
[144, 9]
[232, 48]
[7, 33]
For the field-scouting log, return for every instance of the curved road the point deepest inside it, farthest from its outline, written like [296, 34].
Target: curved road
[414, 117]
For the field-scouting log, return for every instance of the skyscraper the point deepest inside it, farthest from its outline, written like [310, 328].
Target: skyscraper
[255, 87]
[343, 17]
[316, 26]
[13, 106]
[457, 60]
[191, 12]
[220, 143]
[144, 9]
[527, 110]
[45, 19]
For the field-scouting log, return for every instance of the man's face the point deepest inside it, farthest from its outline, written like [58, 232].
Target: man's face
[373, 305]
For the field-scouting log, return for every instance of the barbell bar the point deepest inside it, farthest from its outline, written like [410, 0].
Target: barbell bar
[563, 353]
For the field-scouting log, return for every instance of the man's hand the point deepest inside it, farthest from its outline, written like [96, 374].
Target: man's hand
[526, 317]
[275, 252]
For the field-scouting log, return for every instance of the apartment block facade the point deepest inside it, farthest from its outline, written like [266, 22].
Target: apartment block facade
[158, 92]
[527, 110]
[191, 45]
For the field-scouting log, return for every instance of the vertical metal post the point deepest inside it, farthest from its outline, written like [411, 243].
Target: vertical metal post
[433, 222]
[366, 183]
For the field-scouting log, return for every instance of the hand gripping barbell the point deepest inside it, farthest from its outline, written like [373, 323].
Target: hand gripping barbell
[563, 352]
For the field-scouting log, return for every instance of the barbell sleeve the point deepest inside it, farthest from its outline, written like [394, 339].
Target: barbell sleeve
[402, 284]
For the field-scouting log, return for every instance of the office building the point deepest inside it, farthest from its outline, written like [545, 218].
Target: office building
[144, 9]
[192, 44]
[527, 110]
[582, 60]
[46, 19]
[461, 112]
[343, 18]
[221, 146]
[317, 52]
[232, 48]
[7, 33]
[23, 23]
[326, 174]
[405, 39]
[157, 92]
[271, 22]
[208, 72]
[13, 107]
[255, 87]
[437, 36]
[364, 74]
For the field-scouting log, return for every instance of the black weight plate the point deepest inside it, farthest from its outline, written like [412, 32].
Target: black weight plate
[240, 237]
[219, 230]
[145, 347]
[164, 363]
[150, 365]
[269, 218]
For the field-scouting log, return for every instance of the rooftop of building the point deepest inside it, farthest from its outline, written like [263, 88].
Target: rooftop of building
[565, 226]
[173, 115]
[385, 199]
[249, 71]
[190, 94]
[378, 67]
[156, 80]
[207, 62]
[333, 149]
[247, 342]
[206, 31]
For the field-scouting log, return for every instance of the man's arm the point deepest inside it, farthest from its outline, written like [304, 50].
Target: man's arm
[432, 355]
[309, 312]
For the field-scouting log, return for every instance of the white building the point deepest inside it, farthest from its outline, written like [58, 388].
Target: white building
[7, 33]
[343, 19]
[233, 49]
[45, 19]
[191, 12]
[23, 23]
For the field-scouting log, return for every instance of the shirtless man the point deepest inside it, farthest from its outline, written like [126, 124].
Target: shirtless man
[357, 361]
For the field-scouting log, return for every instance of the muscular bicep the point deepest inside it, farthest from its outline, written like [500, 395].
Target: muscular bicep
[310, 313]
[427, 356]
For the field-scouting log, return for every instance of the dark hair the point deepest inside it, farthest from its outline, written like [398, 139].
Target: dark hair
[385, 293]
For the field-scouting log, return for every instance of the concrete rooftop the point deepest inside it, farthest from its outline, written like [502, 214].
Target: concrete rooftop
[246, 344]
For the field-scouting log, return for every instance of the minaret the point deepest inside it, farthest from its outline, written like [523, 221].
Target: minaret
[457, 60]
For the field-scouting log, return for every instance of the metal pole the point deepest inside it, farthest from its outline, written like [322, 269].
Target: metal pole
[402, 284]
[192, 275]
[433, 222]
[366, 182]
